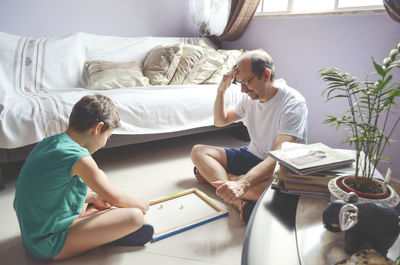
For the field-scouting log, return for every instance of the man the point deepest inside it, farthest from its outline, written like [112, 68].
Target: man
[272, 112]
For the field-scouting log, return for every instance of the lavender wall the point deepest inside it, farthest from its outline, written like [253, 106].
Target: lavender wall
[107, 17]
[301, 46]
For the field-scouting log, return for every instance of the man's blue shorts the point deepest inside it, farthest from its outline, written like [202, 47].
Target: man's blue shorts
[240, 161]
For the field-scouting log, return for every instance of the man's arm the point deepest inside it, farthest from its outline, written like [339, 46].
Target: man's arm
[223, 117]
[233, 190]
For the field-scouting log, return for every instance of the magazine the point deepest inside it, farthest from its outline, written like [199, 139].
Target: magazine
[304, 190]
[311, 179]
[307, 159]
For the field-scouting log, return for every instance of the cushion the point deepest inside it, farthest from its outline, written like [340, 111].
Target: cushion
[111, 75]
[191, 56]
[210, 63]
[231, 58]
[63, 62]
[8, 52]
[127, 49]
[39, 63]
[201, 42]
[161, 63]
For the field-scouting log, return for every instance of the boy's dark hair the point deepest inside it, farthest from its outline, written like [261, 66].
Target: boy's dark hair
[92, 109]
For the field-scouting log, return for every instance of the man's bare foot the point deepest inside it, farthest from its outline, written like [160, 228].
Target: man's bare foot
[233, 177]
[239, 204]
[198, 176]
[245, 209]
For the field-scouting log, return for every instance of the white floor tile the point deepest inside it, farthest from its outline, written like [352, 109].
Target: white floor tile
[149, 171]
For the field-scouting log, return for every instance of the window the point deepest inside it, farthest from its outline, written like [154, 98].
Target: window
[316, 6]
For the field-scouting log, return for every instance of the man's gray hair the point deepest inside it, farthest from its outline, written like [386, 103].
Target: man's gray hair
[260, 60]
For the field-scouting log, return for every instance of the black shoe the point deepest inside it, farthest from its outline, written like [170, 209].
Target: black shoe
[138, 238]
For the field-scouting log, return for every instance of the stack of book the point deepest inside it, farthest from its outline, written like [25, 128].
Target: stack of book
[307, 169]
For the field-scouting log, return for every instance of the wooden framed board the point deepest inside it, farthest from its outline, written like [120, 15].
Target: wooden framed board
[181, 211]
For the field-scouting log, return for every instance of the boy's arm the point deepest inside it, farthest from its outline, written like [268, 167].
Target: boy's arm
[87, 169]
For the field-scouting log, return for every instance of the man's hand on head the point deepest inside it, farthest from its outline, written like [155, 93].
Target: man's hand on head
[226, 81]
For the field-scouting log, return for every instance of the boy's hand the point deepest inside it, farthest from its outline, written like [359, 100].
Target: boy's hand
[101, 204]
[142, 205]
[97, 202]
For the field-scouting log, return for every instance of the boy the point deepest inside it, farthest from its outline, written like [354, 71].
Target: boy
[63, 201]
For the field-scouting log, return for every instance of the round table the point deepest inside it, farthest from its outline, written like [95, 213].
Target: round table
[287, 229]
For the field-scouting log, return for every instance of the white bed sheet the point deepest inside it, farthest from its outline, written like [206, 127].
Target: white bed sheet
[38, 76]
[27, 117]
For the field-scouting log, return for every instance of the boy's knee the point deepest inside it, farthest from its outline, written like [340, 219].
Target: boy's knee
[135, 216]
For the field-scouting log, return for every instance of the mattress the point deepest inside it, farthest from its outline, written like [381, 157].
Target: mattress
[26, 117]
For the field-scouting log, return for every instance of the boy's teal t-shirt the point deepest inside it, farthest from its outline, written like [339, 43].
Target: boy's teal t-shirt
[48, 198]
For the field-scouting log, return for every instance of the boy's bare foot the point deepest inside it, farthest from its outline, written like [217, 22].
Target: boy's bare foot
[198, 176]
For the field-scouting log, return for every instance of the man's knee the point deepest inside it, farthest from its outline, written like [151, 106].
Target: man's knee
[197, 151]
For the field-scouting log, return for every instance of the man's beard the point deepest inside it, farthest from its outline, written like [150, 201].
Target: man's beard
[253, 95]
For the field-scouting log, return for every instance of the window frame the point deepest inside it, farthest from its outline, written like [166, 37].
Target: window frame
[335, 11]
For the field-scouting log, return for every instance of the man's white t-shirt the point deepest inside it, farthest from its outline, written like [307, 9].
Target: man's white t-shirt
[285, 113]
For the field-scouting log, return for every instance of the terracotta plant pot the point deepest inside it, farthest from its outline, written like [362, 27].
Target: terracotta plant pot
[339, 192]
[341, 182]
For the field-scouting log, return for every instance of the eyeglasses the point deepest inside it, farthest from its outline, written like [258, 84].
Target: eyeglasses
[245, 83]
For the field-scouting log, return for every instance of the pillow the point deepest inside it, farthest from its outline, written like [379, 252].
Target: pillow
[111, 75]
[232, 56]
[209, 64]
[191, 55]
[36, 63]
[126, 49]
[161, 63]
[63, 62]
[8, 54]
[200, 41]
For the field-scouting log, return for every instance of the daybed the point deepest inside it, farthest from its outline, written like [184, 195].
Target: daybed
[42, 78]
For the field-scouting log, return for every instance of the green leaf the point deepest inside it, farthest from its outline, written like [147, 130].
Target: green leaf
[378, 68]
[370, 104]
[384, 83]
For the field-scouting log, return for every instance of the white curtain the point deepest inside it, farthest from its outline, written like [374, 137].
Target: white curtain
[210, 16]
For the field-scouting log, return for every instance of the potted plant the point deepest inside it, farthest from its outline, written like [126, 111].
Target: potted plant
[369, 122]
